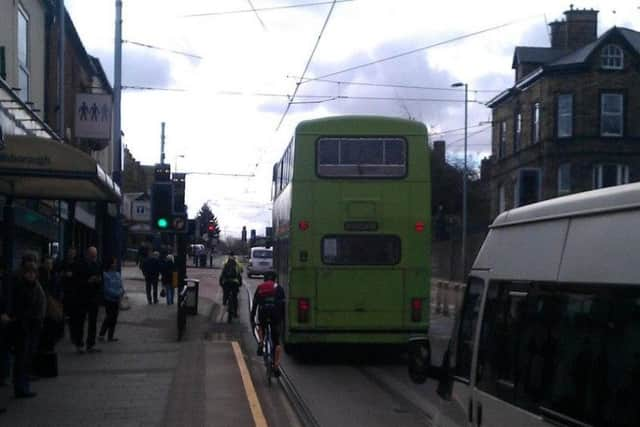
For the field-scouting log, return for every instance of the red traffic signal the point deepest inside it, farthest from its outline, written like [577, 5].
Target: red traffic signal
[211, 228]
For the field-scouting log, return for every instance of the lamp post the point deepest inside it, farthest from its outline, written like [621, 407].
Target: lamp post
[117, 131]
[464, 181]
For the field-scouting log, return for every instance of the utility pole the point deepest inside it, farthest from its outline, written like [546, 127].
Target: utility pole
[117, 132]
[61, 128]
[464, 188]
[61, 48]
[465, 174]
[162, 144]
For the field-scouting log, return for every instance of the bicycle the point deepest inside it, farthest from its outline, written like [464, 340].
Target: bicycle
[267, 353]
[232, 305]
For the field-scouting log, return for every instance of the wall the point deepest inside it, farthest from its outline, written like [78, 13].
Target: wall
[36, 45]
[446, 259]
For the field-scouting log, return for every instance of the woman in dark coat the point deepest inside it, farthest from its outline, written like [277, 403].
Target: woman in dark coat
[27, 312]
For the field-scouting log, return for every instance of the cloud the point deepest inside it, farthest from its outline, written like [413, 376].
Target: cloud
[411, 70]
[140, 67]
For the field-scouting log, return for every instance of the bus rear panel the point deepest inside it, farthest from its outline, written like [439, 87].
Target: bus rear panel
[352, 223]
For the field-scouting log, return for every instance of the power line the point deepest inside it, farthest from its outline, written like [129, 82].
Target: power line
[306, 67]
[263, 9]
[166, 89]
[420, 49]
[236, 175]
[315, 99]
[469, 135]
[148, 46]
[397, 86]
[454, 130]
[264, 27]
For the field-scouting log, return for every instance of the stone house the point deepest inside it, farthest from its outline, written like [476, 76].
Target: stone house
[567, 125]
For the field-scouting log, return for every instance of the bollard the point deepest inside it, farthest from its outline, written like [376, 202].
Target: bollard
[192, 290]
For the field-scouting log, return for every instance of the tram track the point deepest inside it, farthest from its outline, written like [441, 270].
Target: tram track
[304, 413]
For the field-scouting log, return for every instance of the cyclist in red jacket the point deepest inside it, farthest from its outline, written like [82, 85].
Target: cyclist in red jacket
[268, 301]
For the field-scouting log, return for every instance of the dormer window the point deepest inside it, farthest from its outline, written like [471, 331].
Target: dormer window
[612, 57]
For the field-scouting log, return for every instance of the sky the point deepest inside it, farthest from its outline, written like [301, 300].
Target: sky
[233, 87]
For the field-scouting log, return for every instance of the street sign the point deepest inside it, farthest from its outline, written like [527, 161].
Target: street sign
[93, 116]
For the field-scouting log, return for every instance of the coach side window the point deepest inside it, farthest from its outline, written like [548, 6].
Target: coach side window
[565, 352]
[500, 347]
[467, 330]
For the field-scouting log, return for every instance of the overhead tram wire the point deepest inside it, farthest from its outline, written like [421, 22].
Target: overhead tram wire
[264, 27]
[263, 9]
[306, 67]
[148, 46]
[420, 49]
[454, 130]
[233, 175]
[164, 89]
[397, 86]
[451, 144]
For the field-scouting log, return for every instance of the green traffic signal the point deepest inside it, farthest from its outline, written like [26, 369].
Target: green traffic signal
[162, 223]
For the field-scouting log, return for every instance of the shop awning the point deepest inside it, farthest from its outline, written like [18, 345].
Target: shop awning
[41, 168]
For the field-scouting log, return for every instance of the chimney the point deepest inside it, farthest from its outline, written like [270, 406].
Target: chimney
[439, 151]
[582, 27]
[558, 34]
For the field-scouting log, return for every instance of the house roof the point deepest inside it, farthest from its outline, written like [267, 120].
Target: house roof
[571, 60]
[535, 55]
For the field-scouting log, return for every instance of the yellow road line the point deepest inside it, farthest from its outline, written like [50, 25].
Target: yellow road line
[250, 391]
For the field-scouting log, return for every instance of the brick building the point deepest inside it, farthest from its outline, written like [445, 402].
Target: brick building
[567, 125]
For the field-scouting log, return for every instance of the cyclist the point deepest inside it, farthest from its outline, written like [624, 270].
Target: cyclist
[231, 280]
[268, 301]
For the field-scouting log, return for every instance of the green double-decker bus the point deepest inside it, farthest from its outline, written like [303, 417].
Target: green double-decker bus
[351, 224]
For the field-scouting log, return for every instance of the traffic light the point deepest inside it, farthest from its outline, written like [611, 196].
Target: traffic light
[161, 205]
[211, 228]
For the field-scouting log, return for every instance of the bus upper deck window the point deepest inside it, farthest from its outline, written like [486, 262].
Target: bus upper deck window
[348, 157]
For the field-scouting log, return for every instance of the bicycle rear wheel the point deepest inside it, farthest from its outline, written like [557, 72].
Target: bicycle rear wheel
[231, 307]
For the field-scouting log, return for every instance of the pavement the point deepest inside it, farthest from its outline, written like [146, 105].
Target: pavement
[148, 378]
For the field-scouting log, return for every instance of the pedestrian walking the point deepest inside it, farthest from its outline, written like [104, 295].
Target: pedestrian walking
[27, 314]
[45, 360]
[89, 292]
[168, 268]
[151, 272]
[66, 271]
[5, 310]
[113, 292]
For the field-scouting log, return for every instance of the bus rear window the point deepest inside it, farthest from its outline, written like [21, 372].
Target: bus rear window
[361, 157]
[361, 250]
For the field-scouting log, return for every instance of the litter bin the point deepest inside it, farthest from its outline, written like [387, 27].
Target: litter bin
[190, 303]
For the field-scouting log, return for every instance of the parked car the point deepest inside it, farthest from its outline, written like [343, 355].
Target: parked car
[260, 261]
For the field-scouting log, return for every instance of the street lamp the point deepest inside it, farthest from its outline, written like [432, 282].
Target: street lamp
[464, 181]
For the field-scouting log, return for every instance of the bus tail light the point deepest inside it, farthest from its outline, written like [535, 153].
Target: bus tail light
[416, 309]
[304, 306]
[304, 225]
[419, 226]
